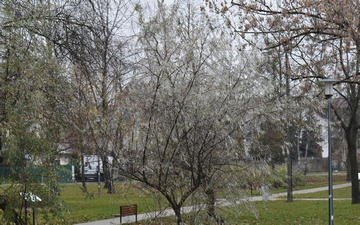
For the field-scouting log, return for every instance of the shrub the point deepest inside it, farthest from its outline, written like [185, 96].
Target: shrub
[279, 177]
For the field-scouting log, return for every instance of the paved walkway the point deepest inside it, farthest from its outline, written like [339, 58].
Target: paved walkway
[145, 216]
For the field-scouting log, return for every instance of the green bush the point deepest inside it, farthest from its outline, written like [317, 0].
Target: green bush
[298, 179]
[279, 177]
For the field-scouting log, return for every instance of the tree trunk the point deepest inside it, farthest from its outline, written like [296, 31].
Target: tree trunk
[289, 178]
[177, 211]
[83, 172]
[351, 135]
[210, 205]
[298, 151]
[306, 155]
[108, 178]
[348, 173]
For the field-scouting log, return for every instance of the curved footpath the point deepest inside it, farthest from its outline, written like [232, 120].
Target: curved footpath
[169, 212]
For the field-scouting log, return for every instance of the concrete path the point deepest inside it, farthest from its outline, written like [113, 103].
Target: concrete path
[169, 212]
[312, 190]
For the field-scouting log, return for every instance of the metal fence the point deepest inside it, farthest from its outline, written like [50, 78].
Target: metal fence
[64, 173]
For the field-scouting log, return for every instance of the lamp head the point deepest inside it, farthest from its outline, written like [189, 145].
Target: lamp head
[329, 86]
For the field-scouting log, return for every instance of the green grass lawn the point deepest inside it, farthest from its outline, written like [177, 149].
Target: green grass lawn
[86, 207]
[272, 212]
[89, 207]
[280, 212]
[337, 193]
[300, 212]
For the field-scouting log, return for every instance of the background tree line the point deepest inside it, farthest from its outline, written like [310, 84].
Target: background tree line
[167, 90]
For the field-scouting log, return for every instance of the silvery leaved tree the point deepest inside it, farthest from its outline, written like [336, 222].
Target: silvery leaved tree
[187, 110]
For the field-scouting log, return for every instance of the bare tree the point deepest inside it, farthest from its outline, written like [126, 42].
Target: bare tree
[324, 36]
[94, 35]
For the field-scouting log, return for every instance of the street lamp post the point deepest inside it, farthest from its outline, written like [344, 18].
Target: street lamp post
[328, 94]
